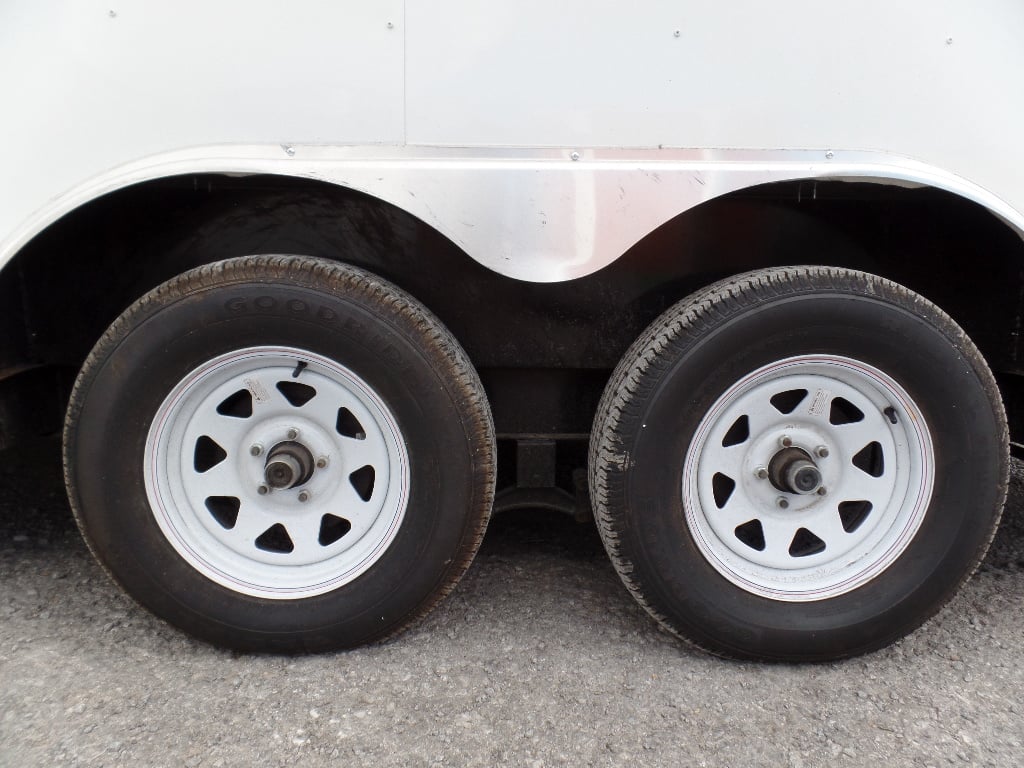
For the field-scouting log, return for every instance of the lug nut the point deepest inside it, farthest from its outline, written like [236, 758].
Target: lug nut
[785, 441]
[822, 491]
[293, 433]
[256, 450]
[304, 496]
[821, 451]
[783, 503]
[262, 490]
[762, 473]
[321, 462]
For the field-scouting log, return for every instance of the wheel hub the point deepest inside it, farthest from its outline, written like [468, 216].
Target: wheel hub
[792, 470]
[289, 465]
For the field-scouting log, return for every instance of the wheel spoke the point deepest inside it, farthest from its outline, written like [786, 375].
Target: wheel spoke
[736, 512]
[761, 417]
[304, 531]
[360, 453]
[853, 437]
[348, 504]
[860, 486]
[778, 535]
[827, 525]
[221, 480]
[225, 431]
[251, 523]
[323, 407]
[727, 460]
[263, 383]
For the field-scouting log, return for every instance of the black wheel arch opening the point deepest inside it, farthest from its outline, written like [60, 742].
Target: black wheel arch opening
[544, 351]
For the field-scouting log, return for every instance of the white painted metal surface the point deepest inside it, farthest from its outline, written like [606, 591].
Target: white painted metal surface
[468, 115]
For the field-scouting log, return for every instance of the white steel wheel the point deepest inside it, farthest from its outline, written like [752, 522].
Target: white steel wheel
[279, 453]
[808, 477]
[276, 473]
[798, 464]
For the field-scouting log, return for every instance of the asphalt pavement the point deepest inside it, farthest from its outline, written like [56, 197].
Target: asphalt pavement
[539, 658]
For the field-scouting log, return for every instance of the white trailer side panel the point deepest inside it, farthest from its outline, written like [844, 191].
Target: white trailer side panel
[369, 94]
[938, 81]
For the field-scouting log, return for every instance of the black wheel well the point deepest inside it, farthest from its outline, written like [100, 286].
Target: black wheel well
[556, 342]
[950, 250]
[95, 261]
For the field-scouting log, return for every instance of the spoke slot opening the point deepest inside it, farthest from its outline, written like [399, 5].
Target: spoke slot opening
[207, 454]
[805, 544]
[752, 534]
[348, 425]
[870, 459]
[787, 402]
[853, 513]
[722, 487]
[332, 528]
[275, 539]
[738, 432]
[224, 510]
[238, 405]
[842, 411]
[362, 480]
[296, 393]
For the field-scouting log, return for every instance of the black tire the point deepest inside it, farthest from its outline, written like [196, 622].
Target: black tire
[652, 424]
[403, 355]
